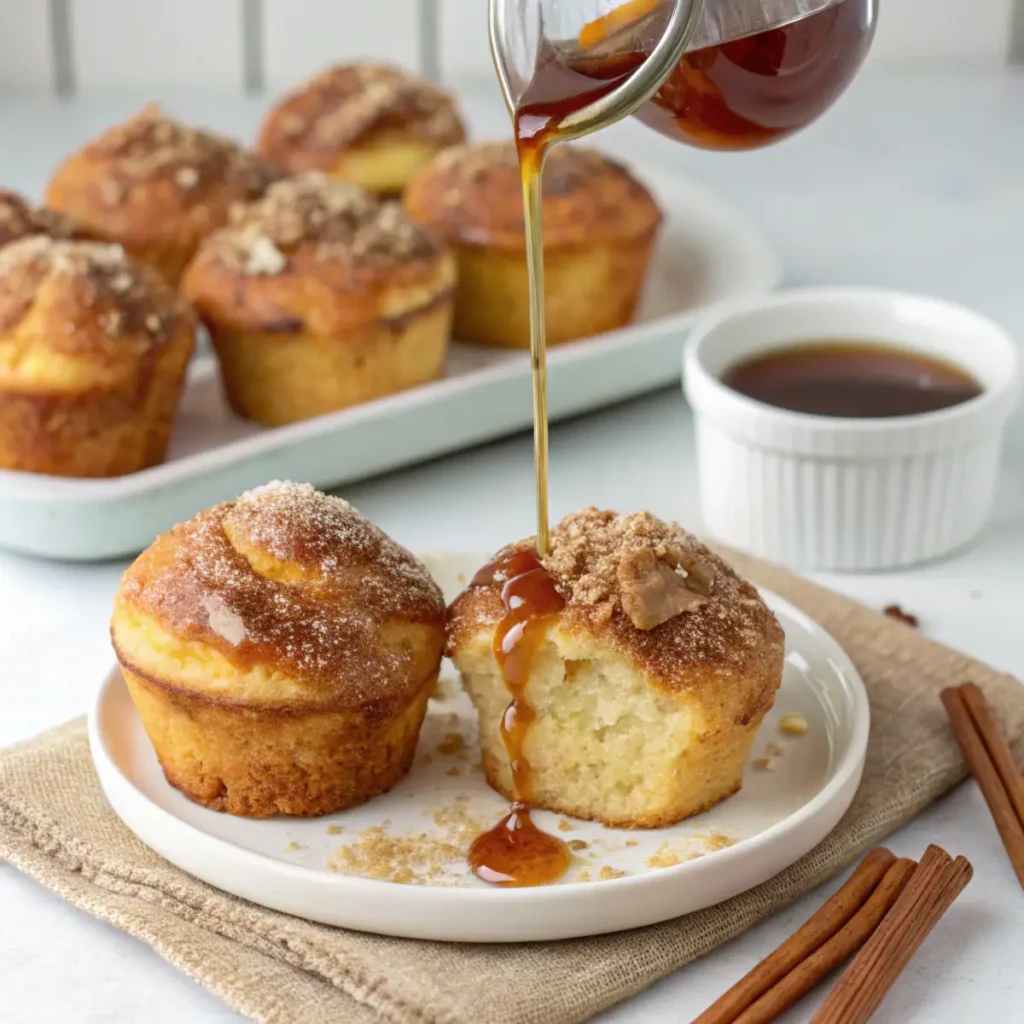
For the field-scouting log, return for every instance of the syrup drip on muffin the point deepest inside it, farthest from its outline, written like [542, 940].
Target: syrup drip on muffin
[515, 852]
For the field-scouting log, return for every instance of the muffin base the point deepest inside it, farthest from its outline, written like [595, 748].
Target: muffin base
[587, 291]
[278, 377]
[93, 433]
[256, 762]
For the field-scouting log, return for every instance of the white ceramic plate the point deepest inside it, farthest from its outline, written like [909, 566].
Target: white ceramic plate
[777, 817]
[707, 254]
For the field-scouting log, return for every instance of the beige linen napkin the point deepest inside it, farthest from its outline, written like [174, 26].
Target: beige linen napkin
[56, 827]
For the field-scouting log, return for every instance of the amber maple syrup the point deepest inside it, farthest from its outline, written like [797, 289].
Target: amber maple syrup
[515, 852]
[737, 95]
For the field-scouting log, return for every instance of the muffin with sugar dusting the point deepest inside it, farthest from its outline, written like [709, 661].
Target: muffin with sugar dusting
[21, 219]
[372, 124]
[600, 225]
[639, 664]
[93, 351]
[280, 650]
[320, 296]
[156, 186]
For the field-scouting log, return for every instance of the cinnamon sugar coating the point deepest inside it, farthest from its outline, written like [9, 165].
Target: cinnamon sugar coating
[721, 631]
[347, 104]
[156, 186]
[20, 219]
[473, 194]
[295, 582]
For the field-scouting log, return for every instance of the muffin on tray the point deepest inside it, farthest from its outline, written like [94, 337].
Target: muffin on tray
[157, 187]
[646, 687]
[93, 350]
[371, 124]
[280, 650]
[600, 225]
[319, 296]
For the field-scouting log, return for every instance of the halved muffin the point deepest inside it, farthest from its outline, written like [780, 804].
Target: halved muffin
[318, 297]
[645, 688]
[599, 227]
[280, 650]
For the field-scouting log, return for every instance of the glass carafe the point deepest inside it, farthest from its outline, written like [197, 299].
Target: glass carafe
[721, 74]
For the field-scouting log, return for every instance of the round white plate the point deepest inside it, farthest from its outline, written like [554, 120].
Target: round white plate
[419, 831]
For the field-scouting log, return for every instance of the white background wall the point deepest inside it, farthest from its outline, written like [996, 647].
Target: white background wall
[85, 46]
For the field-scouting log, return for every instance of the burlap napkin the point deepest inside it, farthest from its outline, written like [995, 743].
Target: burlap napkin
[56, 826]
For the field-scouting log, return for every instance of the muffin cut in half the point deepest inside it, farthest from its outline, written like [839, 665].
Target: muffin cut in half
[93, 351]
[157, 187]
[280, 650]
[372, 124]
[318, 297]
[646, 689]
[599, 226]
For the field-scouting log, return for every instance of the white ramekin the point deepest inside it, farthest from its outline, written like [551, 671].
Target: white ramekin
[848, 494]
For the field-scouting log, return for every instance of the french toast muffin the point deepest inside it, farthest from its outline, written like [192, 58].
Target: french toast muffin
[320, 296]
[93, 351]
[645, 689]
[156, 186]
[372, 124]
[599, 225]
[280, 650]
[20, 219]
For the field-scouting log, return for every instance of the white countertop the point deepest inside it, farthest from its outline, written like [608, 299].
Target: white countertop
[912, 182]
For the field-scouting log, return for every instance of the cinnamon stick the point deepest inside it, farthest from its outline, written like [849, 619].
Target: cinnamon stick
[932, 888]
[846, 941]
[976, 750]
[996, 745]
[816, 931]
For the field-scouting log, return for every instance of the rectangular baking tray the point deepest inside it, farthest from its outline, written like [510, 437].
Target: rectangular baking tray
[707, 254]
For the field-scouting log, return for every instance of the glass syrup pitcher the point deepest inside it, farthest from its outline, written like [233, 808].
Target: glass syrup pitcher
[719, 74]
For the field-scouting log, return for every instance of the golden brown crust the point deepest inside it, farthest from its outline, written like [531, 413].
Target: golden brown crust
[291, 581]
[473, 194]
[20, 219]
[349, 104]
[317, 256]
[729, 635]
[156, 186]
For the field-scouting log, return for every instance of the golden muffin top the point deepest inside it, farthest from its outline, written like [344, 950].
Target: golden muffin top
[20, 219]
[77, 315]
[139, 179]
[290, 581]
[658, 597]
[474, 194]
[344, 105]
[308, 250]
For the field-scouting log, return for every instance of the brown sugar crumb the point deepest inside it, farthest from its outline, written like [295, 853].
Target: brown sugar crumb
[578, 844]
[584, 875]
[427, 759]
[331, 221]
[793, 724]
[453, 771]
[663, 857]
[293, 846]
[632, 842]
[564, 825]
[344, 103]
[717, 841]
[773, 749]
[894, 611]
[607, 873]
[334, 830]
[765, 764]
[453, 744]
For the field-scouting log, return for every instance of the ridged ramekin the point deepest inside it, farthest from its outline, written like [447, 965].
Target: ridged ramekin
[848, 494]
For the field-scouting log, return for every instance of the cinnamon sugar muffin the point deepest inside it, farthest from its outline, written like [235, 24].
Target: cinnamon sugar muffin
[371, 124]
[157, 187]
[280, 650]
[20, 219]
[599, 223]
[93, 350]
[319, 296]
[647, 687]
